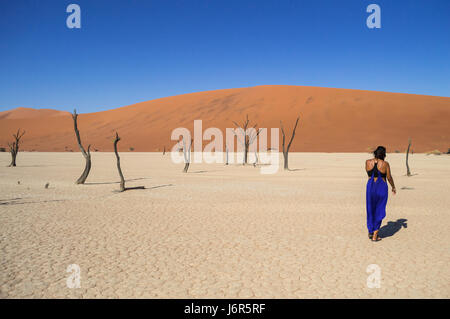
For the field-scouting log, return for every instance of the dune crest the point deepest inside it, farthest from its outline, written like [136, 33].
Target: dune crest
[28, 112]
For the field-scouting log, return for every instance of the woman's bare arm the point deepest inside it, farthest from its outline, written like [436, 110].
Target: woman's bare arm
[389, 177]
[368, 162]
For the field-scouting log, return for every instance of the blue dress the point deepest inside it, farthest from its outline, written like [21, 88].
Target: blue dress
[376, 200]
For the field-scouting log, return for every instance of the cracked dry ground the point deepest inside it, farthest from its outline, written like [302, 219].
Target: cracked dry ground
[220, 231]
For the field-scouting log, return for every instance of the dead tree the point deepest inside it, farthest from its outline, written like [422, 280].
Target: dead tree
[408, 172]
[226, 155]
[122, 180]
[256, 159]
[14, 147]
[286, 149]
[187, 155]
[87, 155]
[249, 137]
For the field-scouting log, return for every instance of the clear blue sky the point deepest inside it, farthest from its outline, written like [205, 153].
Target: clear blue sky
[132, 51]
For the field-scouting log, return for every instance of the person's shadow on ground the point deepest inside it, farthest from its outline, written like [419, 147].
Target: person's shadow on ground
[391, 228]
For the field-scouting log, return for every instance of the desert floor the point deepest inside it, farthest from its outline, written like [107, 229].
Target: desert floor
[220, 231]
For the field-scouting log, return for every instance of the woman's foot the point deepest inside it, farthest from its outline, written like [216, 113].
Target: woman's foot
[375, 236]
[370, 235]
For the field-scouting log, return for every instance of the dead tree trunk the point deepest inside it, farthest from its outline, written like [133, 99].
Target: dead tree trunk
[14, 147]
[249, 137]
[408, 172]
[256, 159]
[122, 179]
[187, 155]
[226, 155]
[87, 155]
[13, 151]
[286, 149]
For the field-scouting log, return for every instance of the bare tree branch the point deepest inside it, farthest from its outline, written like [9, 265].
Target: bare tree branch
[248, 137]
[408, 172]
[86, 154]
[187, 155]
[122, 179]
[286, 149]
[293, 133]
[14, 147]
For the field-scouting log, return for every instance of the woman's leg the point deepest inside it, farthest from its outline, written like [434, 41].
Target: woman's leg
[380, 209]
[370, 206]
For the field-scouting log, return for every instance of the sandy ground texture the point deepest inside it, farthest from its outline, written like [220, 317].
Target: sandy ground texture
[220, 231]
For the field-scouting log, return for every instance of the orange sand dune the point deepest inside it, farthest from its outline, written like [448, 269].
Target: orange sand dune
[27, 113]
[332, 120]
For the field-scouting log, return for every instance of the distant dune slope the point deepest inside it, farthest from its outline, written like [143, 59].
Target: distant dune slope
[28, 113]
[332, 120]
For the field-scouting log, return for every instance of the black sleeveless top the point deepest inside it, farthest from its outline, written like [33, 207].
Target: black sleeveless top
[375, 170]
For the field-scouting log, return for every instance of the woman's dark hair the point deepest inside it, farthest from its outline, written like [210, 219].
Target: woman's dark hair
[380, 152]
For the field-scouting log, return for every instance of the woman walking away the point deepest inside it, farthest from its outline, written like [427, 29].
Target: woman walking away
[377, 191]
